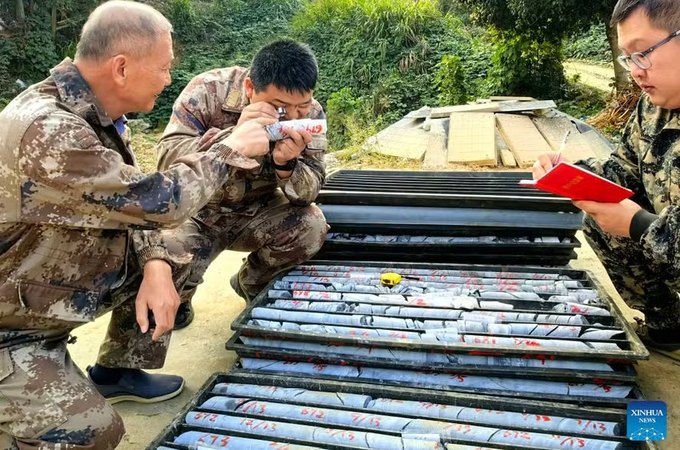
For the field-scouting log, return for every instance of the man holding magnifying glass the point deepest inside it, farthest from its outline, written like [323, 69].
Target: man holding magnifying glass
[268, 210]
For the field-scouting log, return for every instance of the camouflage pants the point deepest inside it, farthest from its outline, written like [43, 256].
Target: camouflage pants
[642, 283]
[279, 236]
[124, 344]
[45, 400]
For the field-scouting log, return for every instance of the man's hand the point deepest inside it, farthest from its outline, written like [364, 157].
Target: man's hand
[157, 294]
[613, 218]
[257, 110]
[291, 147]
[545, 162]
[250, 139]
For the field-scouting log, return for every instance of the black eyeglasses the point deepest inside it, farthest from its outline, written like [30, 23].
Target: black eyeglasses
[641, 59]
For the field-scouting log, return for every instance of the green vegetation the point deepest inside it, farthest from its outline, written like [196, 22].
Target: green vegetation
[379, 59]
[31, 45]
[525, 66]
[581, 101]
[590, 45]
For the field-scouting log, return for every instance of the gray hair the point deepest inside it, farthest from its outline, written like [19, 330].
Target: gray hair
[121, 27]
[664, 14]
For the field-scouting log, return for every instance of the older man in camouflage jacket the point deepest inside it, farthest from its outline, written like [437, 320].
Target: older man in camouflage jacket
[71, 195]
[266, 210]
[638, 240]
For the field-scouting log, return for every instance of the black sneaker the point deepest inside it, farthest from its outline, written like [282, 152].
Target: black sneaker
[135, 385]
[184, 316]
[668, 349]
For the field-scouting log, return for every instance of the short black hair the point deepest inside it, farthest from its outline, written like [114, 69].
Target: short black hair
[287, 64]
[664, 14]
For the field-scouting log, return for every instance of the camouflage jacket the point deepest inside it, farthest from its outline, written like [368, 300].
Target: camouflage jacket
[70, 194]
[648, 162]
[213, 101]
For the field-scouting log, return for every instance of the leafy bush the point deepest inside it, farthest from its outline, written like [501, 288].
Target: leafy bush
[524, 66]
[378, 59]
[28, 49]
[183, 17]
[28, 56]
[8, 51]
[386, 52]
[591, 45]
[450, 79]
[342, 109]
[581, 101]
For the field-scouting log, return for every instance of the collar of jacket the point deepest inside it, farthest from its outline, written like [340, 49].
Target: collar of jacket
[236, 98]
[674, 122]
[76, 93]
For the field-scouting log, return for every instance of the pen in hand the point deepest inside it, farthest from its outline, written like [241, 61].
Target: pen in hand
[562, 145]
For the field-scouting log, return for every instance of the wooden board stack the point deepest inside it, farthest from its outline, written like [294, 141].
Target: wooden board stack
[499, 131]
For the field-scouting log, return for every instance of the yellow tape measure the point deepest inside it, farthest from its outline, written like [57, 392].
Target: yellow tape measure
[390, 279]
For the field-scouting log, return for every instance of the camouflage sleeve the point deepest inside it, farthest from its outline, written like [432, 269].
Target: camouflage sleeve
[302, 187]
[661, 241]
[189, 121]
[69, 178]
[661, 238]
[149, 244]
[622, 165]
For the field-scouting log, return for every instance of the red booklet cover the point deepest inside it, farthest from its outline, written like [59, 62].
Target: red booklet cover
[568, 180]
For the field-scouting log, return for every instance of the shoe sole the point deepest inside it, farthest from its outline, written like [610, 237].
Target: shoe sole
[137, 399]
[184, 324]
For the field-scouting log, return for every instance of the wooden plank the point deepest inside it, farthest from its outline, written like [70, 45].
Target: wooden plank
[446, 111]
[503, 98]
[522, 104]
[553, 130]
[435, 155]
[597, 144]
[525, 106]
[505, 106]
[472, 138]
[443, 112]
[507, 159]
[405, 139]
[421, 113]
[522, 137]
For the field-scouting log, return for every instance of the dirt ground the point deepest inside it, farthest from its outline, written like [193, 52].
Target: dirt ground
[597, 76]
[198, 351]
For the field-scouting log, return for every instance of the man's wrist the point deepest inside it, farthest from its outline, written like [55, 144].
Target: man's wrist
[287, 166]
[640, 223]
[157, 266]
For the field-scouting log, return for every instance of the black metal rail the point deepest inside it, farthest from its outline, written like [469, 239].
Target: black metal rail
[456, 204]
[500, 190]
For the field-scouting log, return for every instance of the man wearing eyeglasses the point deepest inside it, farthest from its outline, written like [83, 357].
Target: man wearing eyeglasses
[638, 240]
[267, 209]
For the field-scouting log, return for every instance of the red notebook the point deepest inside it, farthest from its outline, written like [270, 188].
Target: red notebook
[568, 180]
